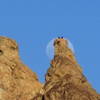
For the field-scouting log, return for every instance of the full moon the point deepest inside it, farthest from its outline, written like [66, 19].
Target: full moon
[50, 48]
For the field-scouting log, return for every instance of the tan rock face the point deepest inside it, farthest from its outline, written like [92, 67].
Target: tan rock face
[17, 82]
[64, 78]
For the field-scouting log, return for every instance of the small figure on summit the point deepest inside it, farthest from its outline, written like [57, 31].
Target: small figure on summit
[60, 37]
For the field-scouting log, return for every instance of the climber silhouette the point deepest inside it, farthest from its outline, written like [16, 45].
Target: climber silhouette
[60, 37]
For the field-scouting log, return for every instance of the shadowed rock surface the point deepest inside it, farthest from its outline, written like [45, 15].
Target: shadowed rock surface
[64, 78]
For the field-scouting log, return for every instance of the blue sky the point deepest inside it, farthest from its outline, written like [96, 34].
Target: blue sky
[33, 23]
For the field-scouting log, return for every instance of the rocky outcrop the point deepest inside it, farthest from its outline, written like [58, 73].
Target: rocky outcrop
[17, 81]
[64, 79]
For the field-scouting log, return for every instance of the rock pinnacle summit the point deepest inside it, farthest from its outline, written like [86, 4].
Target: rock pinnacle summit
[64, 78]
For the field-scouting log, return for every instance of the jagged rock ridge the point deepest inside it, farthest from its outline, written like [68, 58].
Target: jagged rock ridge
[64, 78]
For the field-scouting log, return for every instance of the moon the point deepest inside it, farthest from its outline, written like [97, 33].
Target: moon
[50, 48]
[70, 45]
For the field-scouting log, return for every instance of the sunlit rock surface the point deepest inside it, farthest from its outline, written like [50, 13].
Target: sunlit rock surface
[64, 78]
[17, 81]
[63, 81]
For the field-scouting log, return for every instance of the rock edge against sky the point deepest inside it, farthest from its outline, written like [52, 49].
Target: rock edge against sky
[64, 79]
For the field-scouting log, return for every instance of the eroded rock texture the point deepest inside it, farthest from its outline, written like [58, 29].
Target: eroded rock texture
[17, 82]
[64, 78]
